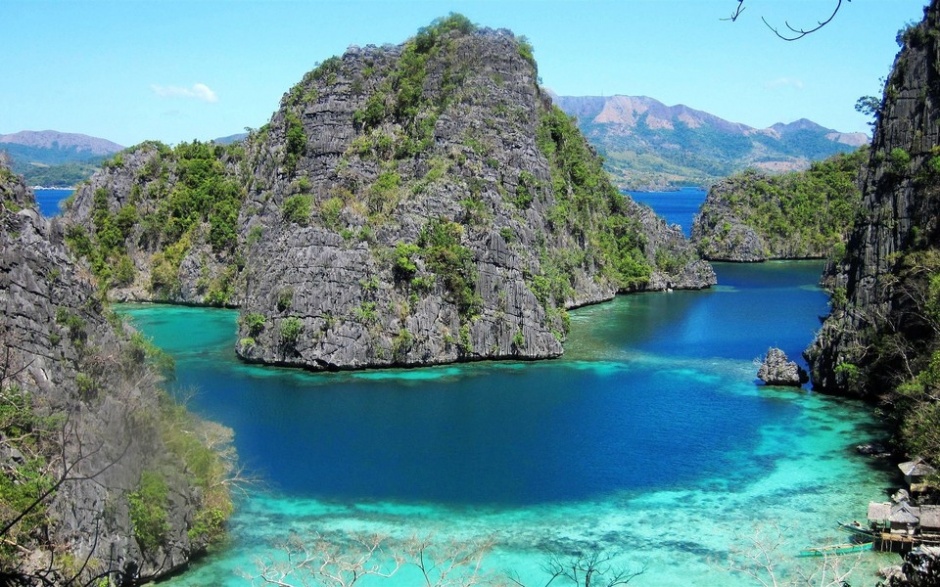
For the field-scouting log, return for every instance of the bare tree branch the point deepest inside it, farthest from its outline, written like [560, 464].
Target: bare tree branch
[759, 561]
[791, 33]
[737, 12]
[590, 569]
[798, 33]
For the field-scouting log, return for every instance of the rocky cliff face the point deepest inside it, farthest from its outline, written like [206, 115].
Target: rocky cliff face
[426, 203]
[406, 205]
[882, 327]
[720, 234]
[83, 422]
[159, 224]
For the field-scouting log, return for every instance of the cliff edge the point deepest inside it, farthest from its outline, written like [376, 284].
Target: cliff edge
[881, 339]
[102, 473]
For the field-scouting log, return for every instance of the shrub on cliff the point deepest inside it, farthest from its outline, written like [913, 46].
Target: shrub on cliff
[587, 204]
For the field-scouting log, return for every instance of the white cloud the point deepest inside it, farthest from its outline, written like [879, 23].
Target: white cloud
[785, 82]
[196, 92]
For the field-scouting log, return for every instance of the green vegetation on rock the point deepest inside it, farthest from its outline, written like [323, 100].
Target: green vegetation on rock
[752, 216]
[177, 198]
[440, 241]
[206, 451]
[589, 207]
[148, 511]
[31, 435]
[297, 208]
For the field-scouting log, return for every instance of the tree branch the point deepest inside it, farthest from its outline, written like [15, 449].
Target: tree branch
[791, 33]
[796, 34]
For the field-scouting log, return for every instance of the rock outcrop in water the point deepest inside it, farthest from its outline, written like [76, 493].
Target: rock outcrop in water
[106, 468]
[448, 212]
[406, 205]
[778, 369]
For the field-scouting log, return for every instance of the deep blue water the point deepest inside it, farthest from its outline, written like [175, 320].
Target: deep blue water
[516, 434]
[678, 207]
[495, 436]
[49, 200]
[650, 438]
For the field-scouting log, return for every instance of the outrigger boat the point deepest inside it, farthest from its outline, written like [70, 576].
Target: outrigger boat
[838, 549]
[858, 529]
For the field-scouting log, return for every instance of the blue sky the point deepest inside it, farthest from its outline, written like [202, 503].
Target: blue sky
[134, 70]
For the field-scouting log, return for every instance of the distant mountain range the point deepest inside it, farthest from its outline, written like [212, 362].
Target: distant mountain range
[49, 147]
[648, 145]
[231, 138]
[51, 158]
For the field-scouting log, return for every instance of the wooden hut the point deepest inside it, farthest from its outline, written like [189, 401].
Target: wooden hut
[904, 518]
[879, 516]
[898, 518]
[916, 473]
[930, 520]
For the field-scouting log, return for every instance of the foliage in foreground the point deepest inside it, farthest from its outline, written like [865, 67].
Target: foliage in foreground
[31, 436]
[342, 560]
[905, 357]
[48, 446]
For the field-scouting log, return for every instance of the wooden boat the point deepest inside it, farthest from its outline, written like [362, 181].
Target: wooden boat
[858, 529]
[838, 549]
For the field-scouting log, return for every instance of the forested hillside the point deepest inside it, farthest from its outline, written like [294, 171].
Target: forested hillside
[753, 216]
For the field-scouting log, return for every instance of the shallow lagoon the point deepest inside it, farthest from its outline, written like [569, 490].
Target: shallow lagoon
[650, 439]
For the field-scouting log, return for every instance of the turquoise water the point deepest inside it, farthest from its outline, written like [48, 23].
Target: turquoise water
[650, 440]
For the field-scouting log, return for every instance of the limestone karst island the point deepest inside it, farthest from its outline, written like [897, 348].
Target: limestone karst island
[433, 323]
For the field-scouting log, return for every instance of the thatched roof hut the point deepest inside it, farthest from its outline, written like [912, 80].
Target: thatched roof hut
[904, 513]
[930, 519]
[879, 513]
[899, 516]
[916, 471]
